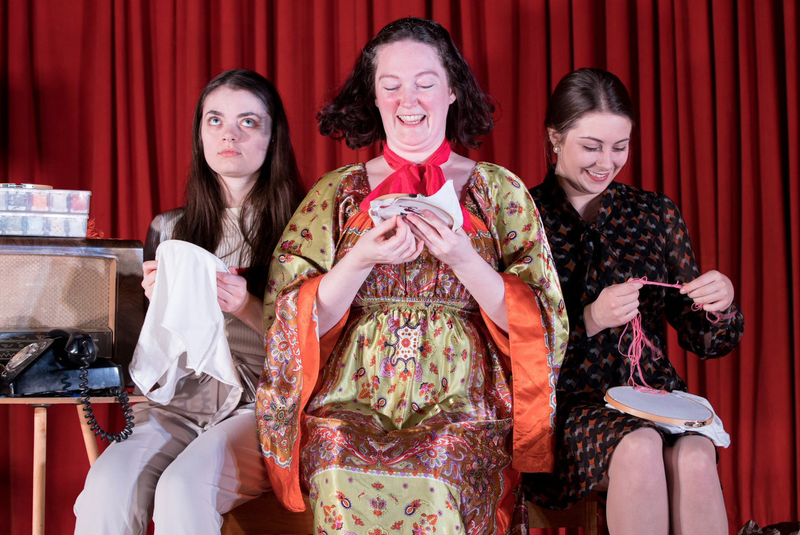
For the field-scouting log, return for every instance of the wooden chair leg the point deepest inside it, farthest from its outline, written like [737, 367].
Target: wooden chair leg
[39, 464]
[591, 516]
[581, 515]
[89, 440]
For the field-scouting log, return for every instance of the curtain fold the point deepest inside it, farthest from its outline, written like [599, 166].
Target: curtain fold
[100, 96]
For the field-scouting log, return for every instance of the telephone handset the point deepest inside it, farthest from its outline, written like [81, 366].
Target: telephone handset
[77, 349]
[66, 363]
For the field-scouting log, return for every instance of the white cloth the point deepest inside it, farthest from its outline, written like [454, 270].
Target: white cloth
[184, 329]
[191, 475]
[444, 203]
[715, 431]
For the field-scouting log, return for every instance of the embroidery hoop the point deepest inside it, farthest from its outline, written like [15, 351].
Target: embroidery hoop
[659, 406]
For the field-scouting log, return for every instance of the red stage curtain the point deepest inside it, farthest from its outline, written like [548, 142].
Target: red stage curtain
[98, 95]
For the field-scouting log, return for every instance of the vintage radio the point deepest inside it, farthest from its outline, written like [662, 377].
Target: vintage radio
[55, 283]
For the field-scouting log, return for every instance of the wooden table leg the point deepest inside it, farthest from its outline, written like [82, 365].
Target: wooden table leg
[39, 463]
[89, 440]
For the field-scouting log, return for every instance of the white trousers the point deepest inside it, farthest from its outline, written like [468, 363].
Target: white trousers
[186, 478]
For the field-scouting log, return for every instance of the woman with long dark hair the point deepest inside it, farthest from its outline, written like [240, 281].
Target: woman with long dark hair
[386, 392]
[197, 456]
[603, 234]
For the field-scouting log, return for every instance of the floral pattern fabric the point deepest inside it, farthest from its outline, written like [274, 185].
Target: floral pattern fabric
[637, 234]
[411, 423]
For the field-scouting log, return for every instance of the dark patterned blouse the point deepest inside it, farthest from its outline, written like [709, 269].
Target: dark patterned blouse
[637, 234]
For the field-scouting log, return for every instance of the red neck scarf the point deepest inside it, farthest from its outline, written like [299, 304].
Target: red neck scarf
[426, 178]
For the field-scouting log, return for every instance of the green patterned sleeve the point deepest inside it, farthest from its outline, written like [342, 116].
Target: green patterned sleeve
[523, 250]
[305, 253]
[308, 244]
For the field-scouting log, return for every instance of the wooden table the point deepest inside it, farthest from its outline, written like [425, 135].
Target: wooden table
[40, 405]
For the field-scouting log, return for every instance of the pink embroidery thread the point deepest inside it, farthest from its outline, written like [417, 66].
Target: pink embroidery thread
[634, 352]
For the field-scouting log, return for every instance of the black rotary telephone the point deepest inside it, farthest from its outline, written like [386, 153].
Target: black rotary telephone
[66, 363]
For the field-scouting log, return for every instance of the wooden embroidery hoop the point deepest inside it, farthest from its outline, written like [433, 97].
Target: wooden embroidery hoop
[659, 406]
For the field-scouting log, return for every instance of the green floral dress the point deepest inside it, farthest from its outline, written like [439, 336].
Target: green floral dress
[404, 417]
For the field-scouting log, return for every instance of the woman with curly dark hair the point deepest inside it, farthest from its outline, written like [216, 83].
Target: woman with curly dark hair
[386, 392]
[193, 454]
[353, 116]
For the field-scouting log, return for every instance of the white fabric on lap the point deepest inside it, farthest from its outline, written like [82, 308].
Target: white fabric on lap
[184, 329]
[715, 431]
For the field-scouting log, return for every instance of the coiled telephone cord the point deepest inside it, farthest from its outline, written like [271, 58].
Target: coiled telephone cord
[124, 403]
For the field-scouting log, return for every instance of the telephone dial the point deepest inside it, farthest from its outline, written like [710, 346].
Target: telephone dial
[66, 363]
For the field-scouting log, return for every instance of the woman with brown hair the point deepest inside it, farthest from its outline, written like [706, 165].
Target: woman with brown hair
[386, 392]
[603, 234]
[197, 456]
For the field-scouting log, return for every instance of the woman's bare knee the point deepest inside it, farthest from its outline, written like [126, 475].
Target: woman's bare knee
[692, 455]
[639, 450]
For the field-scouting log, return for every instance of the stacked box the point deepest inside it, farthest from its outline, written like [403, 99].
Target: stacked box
[26, 211]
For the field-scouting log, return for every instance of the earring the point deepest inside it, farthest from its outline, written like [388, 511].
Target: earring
[556, 149]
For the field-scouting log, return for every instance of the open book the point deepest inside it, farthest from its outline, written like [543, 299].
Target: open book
[444, 204]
